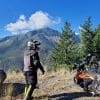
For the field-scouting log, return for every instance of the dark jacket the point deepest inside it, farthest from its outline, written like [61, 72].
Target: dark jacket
[38, 64]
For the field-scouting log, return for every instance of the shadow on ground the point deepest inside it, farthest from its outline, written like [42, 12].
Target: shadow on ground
[70, 96]
[11, 89]
[63, 96]
[17, 89]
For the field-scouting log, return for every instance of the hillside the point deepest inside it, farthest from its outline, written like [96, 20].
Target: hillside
[12, 47]
[52, 86]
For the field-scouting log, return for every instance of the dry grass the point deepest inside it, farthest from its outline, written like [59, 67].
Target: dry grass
[52, 86]
[14, 76]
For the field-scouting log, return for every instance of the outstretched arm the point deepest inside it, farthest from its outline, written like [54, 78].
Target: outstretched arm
[38, 62]
[40, 67]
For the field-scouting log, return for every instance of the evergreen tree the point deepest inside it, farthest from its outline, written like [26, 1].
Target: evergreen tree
[97, 40]
[87, 35]
[66, 51]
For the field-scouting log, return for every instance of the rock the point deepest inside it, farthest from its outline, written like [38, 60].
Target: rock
[2, 76]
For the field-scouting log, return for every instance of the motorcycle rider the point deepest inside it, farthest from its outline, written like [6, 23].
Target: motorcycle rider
[31, 65]
[82, 74]
[80, 67]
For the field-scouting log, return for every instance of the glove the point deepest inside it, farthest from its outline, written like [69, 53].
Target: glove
[43, 72]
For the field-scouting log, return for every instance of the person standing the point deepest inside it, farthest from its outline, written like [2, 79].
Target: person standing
[31, 62]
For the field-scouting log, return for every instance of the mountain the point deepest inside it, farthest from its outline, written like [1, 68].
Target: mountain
[12, 47]
[76, 38]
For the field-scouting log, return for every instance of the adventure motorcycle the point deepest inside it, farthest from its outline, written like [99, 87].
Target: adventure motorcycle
[88, 79]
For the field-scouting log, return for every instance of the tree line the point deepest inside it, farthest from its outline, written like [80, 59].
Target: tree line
[67, 50]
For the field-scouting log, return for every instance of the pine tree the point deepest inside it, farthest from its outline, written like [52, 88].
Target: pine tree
[66, 51]
[87, 35]
[97, 40]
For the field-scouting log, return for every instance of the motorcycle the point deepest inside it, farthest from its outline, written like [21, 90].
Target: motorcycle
[88, 79]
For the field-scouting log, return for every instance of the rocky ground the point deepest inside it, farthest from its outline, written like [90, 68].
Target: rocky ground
[52, 86]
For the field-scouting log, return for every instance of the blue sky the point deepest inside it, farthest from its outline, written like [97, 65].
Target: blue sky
[19, 16]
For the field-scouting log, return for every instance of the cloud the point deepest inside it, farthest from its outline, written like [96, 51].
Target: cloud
[37, 20]
[81, 28]
[77, 33]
